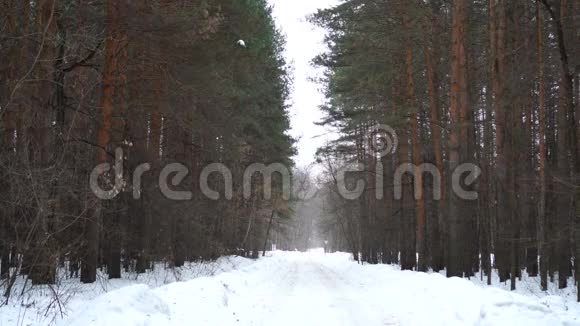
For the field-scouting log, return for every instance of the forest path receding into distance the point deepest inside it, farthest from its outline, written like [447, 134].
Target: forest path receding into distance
[308, 292]
[301, 289]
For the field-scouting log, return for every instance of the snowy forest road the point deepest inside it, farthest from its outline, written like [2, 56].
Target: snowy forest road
[300, 289]
[311, 293]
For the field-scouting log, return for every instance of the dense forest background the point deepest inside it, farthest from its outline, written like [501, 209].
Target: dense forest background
[166, 81]
[489, 82]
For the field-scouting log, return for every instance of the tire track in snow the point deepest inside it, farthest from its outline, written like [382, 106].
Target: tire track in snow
[361, 309]
[317, 295]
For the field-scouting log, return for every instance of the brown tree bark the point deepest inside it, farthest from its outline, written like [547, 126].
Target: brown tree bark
[498, 17]
[542, 243]
[7, 129]
[565, 137]
[458, 106]
[417, 157]
[433, 93]
[42, 260]
[109, 83]
[407, 218]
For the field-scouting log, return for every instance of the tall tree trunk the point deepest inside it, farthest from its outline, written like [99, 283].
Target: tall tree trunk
[499, 16]
[432, 88]
[109, 83]
[513, 119]
[7, 130]
[119, 217]
[43, 259]
[565, 108]
[416, 146]
[458, 105]
[542, 243]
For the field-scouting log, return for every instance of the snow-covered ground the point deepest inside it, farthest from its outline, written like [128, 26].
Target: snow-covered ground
[291, 288]
[38, 306]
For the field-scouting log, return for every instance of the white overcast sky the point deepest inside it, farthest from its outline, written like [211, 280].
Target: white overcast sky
[304, 42]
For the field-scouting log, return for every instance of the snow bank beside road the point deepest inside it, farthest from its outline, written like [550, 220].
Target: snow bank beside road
[433, 299]
[38, 305]
[132, 305]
